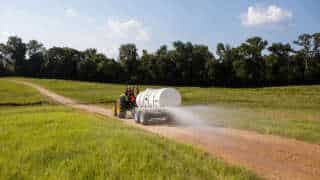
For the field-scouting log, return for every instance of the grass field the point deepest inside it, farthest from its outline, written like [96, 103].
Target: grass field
[93, 93]
[55, 142]
[287, 111]
[294, 97]
[15, 94]
[266, 121]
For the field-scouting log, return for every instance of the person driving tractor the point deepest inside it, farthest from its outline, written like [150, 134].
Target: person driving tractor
[126, 101]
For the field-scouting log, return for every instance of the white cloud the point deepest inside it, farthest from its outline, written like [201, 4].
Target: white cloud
[265, 15]
[130, 30]
[4, 36]
[119, 32]
[70, 12]
[80, 33]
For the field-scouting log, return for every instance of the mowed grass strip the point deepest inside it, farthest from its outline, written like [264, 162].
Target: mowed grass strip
[292, 111]
[55, 142]
[15, 94]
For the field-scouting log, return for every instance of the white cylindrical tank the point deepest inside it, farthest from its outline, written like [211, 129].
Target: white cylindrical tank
[157, 98]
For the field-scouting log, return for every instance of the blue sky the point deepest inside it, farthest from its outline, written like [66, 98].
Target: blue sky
[105, 24]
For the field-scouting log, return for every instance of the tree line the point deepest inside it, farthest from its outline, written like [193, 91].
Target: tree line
[253, 63]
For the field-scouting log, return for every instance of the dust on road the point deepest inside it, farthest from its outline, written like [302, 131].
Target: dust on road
[269, 156]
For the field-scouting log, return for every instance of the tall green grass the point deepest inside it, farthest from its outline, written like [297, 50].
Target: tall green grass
[12, 93]
[292, 97]
[93, 93]
[279, 122]
[292, 111]
[55, 142]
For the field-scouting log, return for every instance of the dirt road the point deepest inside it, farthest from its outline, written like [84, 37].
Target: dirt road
[269, 156]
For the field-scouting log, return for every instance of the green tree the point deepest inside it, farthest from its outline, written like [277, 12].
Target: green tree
[110, 71]
[62, 63]
[3, 60]
[15, 51]
[166, 66]
[36, 53]
[251, 68]
[316, 41]
[226, 57]
[34, 47]
[199, 64]
[305, 41]
[87, 68]
[180, 55]
[148, 68]
[128, 56]
[315, 58]
[278, 64]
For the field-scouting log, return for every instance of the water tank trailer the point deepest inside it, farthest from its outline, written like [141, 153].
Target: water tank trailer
[151, 106]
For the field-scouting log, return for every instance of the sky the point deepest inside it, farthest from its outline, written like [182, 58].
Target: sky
[106, 24]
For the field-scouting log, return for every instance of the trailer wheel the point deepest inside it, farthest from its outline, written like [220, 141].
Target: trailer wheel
[137, 116]
[144, 118]
[168, 117]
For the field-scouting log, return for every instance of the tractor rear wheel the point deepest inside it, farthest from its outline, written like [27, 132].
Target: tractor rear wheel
[115, 108]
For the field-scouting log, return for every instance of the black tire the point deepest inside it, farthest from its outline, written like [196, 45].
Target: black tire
[137, 116]
[144, 118]
[168, 117]
[122, 114]
[114, 109]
